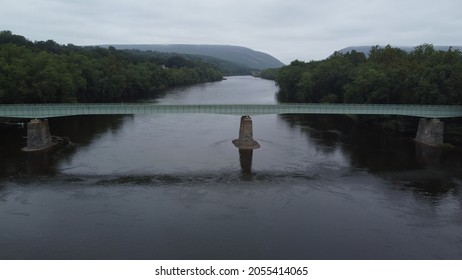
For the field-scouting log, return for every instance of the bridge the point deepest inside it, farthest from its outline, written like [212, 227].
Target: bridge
[35, 111]
[430, 129]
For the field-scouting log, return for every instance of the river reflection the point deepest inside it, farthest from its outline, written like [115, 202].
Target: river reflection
[82, 130]
[395, 157]
[245, 158]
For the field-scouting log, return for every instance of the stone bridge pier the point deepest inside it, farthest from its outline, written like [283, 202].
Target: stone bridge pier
[246, 144]
[38, 136]
[430, 132]
[245, 140]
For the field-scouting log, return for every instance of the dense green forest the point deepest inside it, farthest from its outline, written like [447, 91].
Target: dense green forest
[226, 67]
[242, 57]
[46, 72]
[268, 74]
[385, 75]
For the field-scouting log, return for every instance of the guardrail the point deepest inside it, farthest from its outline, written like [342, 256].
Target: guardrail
[60, 110]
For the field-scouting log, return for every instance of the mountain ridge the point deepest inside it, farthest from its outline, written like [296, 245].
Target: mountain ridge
[365, 49]
[237, 54]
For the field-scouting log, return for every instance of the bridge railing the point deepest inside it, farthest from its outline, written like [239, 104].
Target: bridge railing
[58, 110]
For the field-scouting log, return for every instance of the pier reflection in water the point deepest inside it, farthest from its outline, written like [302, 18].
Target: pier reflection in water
[245, 159]
[427, 155]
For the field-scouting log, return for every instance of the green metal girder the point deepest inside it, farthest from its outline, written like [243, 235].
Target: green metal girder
[60, 110]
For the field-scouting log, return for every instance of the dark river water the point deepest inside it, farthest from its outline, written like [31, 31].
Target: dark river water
[175, 187]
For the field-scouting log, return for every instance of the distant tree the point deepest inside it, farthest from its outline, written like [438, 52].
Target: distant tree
[288, 79]
[269, 74]
[369, 85]
[178, 62]
[6, 37]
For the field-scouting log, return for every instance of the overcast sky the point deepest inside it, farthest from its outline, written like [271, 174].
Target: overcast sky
[287, 29]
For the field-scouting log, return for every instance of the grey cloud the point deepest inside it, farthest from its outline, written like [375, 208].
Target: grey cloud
[288, 29]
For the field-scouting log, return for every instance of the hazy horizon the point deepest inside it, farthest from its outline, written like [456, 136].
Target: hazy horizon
[288, 30]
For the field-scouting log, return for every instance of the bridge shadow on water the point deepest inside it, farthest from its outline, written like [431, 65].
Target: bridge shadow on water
[423, 169]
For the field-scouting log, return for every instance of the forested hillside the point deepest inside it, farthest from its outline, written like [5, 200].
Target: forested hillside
[240, 56]
[226, 67]
[386, 75]
[46, 72]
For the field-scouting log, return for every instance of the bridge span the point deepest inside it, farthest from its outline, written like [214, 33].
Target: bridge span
[430, 130]
[33, 111]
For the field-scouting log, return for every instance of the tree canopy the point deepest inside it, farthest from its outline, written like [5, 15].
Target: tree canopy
[46, 72]
[385, 75]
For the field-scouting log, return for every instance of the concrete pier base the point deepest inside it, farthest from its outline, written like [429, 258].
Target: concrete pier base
[430, 132]
[38, 136]
[245, 141]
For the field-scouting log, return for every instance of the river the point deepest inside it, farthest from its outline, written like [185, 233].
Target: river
[173, 186]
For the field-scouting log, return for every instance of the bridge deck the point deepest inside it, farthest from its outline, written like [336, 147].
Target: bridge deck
[59, 110]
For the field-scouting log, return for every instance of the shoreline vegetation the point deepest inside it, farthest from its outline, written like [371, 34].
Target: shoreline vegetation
[384, 76]
[46, 72]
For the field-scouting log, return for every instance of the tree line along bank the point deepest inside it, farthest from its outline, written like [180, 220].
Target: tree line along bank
[46, 72]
